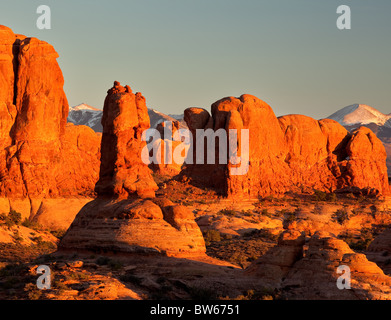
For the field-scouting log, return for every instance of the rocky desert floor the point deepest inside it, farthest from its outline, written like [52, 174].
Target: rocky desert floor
[236, 234]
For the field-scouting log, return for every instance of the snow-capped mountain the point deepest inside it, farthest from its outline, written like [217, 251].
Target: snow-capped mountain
[360, 114]
[157, 117]
[357, 115]
[83, 114]
[84, 106]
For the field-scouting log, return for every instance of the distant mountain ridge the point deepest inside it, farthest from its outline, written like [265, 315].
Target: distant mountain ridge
[360, 114]
[357, 115]
[84, 114]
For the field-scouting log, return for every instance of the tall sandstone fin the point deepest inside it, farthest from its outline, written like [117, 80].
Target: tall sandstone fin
[122, 172]
[126, 217]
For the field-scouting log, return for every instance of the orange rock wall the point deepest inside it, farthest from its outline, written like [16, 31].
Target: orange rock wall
[40, 155]
[291, 153]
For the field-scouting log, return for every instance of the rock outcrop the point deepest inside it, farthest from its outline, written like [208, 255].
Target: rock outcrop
[135, 226]
[291, 153]
[122, 173]
[310, 271]
[279, 260]
[41, 156]
[126, 217]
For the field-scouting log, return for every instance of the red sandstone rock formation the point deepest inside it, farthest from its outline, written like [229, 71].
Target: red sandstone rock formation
[290, 153]
[124, 222]
[122, 173]
[135, 226]
[40, 156]
[310, 272]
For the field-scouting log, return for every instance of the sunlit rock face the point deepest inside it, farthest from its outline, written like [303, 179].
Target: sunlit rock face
[290, 153]
[40, 155]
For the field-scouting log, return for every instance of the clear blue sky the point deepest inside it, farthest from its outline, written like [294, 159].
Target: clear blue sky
[182, 53]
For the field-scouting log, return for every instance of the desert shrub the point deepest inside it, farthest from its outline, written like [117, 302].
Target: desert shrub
[32, 225]
[281, 213]
[332, 197]
[44, 245]
[341, 216]
[58, 233]
[247, 213]
[361, 199]
[263, 294]
[362, 242]
[266, 213]
[290, 216]
[188, 203]
[15, 217]
[16, 236]
[211, 236]
[324, 196]
[11, 219]
[59, 284]
[228, 212]
[261, 233]
[33, 293]
[78, 276]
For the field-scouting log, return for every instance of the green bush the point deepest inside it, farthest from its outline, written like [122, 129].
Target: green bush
[11, 219]
[32, 225]
[362, 242]
[15, 217]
